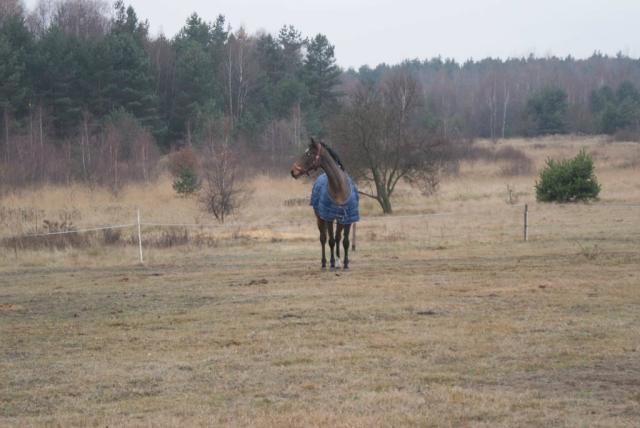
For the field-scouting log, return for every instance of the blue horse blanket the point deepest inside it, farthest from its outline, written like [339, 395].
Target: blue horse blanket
[327, 209]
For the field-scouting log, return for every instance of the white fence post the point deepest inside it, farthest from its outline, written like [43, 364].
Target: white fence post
[140, 237]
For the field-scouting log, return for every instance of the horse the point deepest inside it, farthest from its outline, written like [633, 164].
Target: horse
[334, 198]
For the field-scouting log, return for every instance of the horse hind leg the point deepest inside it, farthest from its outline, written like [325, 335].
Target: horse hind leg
[345, 245]
[332, 244]
[339, 228]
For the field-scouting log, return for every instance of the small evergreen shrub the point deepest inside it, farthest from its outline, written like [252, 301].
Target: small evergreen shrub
[186, 182]
[568, 180]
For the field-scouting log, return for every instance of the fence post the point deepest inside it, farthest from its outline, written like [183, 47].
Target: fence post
[526, 222]
[140, 238]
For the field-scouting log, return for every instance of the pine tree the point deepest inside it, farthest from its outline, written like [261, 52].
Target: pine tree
[62, 78]
[126, 75]
[291, 43]
[616, 110]
[548, 109]
[197, 86]
[15, 42]
[568, 180]
[186, 183]
[321, 75]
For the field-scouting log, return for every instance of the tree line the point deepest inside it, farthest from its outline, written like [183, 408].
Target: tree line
[86, 93]
[528, 96]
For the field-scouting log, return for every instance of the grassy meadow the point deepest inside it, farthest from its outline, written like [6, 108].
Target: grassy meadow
[446, 317]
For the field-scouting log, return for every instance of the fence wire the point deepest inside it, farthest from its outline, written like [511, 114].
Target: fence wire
[480, 225]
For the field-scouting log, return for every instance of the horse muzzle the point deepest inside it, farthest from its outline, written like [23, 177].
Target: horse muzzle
[296, 171]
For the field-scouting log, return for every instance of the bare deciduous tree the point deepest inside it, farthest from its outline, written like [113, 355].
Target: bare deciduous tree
[125, 153]
[87, 19]
[240, 70]
[10, 8]
[384, 140]
[223, 192]
[82, 18]
[40, 18]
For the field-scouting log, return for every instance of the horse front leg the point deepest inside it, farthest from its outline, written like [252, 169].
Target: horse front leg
[332, 243]
[345, 243]
[322, 227]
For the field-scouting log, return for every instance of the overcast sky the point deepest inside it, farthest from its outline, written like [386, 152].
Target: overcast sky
[375, 31]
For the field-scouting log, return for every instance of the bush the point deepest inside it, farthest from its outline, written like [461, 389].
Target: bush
[186, 183]
[568, 180]
[516, 162]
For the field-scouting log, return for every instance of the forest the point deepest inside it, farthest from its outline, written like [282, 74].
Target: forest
[88, 95]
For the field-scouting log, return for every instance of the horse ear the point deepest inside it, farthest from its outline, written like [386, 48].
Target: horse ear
[314, 145]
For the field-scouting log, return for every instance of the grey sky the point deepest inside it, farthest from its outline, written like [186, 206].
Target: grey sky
[375, 31]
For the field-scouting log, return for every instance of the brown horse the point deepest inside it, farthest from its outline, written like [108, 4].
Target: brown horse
[334, 198]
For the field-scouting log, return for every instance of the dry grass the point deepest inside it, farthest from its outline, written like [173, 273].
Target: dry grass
[443, 320]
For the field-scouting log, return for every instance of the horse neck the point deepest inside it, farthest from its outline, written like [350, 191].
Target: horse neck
[339, 188]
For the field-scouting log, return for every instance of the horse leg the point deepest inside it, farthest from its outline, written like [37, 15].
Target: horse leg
[339, 228]
[345, 244]
[332, 243]
[322, 227]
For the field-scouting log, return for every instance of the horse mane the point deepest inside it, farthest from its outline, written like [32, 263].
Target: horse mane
[334, 155]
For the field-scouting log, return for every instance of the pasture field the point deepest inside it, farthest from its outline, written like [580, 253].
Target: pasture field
[446, 317]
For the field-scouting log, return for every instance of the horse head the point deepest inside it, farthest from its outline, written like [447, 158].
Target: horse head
[309, 161]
